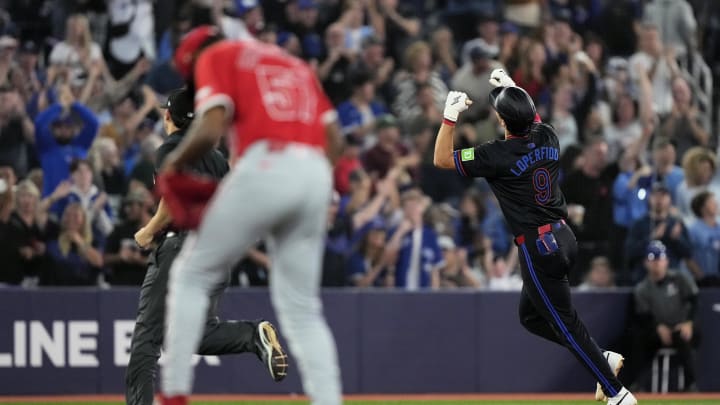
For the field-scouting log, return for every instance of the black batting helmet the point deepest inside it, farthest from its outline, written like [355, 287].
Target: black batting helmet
[515, 107]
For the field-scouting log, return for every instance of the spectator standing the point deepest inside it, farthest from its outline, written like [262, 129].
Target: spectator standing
[334, 70]
[124, 259]
[28, 237]
[530, 75]
[419, 258]
[654, 60]
[418, 70]
[358, 114]
[588, 191]
[131, 34]
[659, 224]
[108, 171]
[98, 212]
[17, 132]
[705, 238]
[400, 26]
[665, 169]
[684, 125]
[625, 128]
[78, 51]
[666, 306]
[699, 165]
[372, 58]
[76, 255]
[443, 48]
[675, 21]
[369, 265]
[473, 79]
[59, 139]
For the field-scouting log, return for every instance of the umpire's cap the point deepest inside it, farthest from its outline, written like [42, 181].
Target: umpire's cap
[515, 107]
[180, 106]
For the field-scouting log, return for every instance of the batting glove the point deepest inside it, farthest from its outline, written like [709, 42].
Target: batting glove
[499, 78]
[456, 103]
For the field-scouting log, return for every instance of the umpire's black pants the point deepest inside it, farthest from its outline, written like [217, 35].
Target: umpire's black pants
[545, 306]
[219, 337]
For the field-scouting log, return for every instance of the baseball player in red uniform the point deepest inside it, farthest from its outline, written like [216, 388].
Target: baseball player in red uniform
[279, 186]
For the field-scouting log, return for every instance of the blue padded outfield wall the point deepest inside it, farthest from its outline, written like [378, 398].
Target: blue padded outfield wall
[75, 341]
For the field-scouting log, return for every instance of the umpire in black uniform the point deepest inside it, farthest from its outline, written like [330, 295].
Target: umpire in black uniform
[227, 337]
[522, 171]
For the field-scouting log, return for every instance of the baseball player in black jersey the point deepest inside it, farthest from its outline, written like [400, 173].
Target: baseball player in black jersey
[228, 337]
[522, 171]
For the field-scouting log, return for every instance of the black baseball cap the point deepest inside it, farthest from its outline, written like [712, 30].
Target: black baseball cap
[515, 107]
[180, 105]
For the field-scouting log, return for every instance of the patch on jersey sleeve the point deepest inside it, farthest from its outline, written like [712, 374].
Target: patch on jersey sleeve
[467, 154]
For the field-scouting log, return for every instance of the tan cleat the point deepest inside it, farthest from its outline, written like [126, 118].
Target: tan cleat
[271, 352]
[616, 362]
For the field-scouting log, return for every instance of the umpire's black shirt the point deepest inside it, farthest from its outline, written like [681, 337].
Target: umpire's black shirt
[212, 164]
[523, 174]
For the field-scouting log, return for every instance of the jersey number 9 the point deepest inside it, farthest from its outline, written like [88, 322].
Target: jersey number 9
[542, 185]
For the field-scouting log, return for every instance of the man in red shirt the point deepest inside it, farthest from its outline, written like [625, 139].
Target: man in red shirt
[279, 186]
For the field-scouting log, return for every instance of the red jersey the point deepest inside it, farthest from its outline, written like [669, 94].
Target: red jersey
[269, 94]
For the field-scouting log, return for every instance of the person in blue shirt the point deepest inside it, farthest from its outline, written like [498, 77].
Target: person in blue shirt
[630, 195]
[357, 114]
[658, 224]
[419, 257]
[705, 238]
[666, 171]
[60, 140]
[368, 266]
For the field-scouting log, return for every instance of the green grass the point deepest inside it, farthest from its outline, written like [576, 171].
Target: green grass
[508, 402]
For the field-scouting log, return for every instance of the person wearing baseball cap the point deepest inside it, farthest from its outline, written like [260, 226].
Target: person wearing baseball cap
[666, 306]
[219, 337]
[523, 172]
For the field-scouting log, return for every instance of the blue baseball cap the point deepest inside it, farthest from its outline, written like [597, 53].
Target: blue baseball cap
[656, 250]
[243, 6]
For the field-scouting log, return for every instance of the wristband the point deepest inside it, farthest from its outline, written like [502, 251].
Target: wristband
[448, 122]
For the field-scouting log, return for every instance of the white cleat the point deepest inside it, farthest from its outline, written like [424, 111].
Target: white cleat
[616, 361]
[624, 397]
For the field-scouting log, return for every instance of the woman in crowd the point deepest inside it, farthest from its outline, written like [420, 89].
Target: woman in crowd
[368, 266]
[76, 254]
[699, 165]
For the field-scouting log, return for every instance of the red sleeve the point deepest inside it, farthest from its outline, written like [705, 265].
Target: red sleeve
[212, 84]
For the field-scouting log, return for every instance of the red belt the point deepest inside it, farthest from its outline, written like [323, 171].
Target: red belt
[276, 145]
[542, 229]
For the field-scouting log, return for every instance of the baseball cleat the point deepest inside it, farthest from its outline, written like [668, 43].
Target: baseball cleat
[624, 397]
[271, 352]
[616, 362]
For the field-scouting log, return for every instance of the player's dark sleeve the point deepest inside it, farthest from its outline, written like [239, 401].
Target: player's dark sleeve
[161, 154]
[476, 162]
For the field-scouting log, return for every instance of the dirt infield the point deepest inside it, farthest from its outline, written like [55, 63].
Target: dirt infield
[363, 397]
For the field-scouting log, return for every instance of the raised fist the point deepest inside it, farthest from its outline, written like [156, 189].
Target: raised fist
[499, 78]
[456, 103]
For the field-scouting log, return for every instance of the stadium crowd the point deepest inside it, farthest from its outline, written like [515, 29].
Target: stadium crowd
[625, 83]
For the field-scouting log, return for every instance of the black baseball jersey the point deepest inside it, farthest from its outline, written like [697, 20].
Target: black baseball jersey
[523, 174]
[212, 164]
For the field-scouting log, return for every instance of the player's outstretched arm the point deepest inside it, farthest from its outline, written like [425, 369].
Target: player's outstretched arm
[456, 103]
